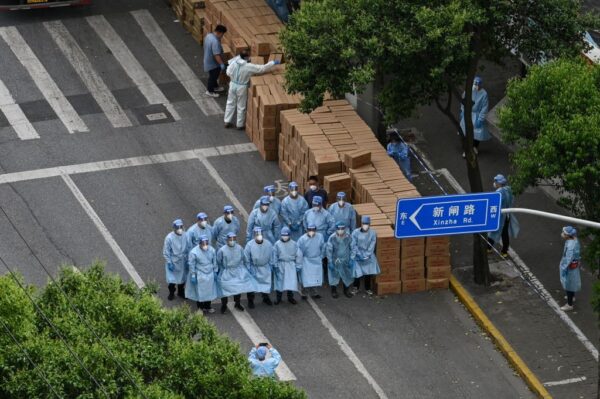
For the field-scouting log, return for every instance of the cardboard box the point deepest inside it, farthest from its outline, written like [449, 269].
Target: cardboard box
[358, 158]
[438, 284]
[412, 262]
[438, 261]
[412, 274]
[410, 252]
[437, 250]
[388, 288]
[438, 272]
[414, 285]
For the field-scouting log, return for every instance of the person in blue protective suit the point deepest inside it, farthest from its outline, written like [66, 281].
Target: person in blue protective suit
[199, 229]
[343, 211]
[175, 252]
[509, 225]
[338, 255]
[570, 276]
[319, 217]
[201, 284]
[399, 152]
[363, 255]
[478, 114]
[293, 208]
[228, 223]
[275, 202]
[258, 255]
[311, 248]
[259, 363]
[233, 277]
[265, 218]
[285, 265]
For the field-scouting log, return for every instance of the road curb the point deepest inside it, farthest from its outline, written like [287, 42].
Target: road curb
[507, 350]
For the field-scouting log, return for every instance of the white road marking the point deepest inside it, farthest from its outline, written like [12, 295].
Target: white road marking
[125, 163]
[88, 75]
[103, 230]
[255, 334]
[565, 382]
[130, 64]
[243, 318]
[347, 350]
[545, 295]
[59, 103]
[15, 116]
[176, 63]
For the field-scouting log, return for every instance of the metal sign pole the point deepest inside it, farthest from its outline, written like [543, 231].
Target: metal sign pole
[582, 222]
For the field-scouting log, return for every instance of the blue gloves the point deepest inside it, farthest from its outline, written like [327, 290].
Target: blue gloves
[171, 267]
[194, 278]
[478, 124]
[277, 62]
[222, 67]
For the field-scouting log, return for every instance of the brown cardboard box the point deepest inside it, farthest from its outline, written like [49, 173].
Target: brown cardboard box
[388, 276]
[413, 262]
[412, 274]
[388, 288]
[438, 272]
[414, 285]
[358, 158]
[438, 284]
[410, 252]
[438, 240]
[412, 242]
[437, 249]
[438, 261]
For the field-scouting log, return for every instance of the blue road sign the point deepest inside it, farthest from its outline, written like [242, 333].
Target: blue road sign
[447, 215]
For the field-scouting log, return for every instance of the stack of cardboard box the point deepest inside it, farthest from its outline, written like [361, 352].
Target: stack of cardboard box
[412, 265]
[250, 24]
[191, 13]
[437, 260]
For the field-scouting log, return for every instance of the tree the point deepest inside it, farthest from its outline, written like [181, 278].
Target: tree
[169, 353]
[425, 51]
[553, 115]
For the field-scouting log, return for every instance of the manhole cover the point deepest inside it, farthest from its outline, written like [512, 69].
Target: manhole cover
[153, 114]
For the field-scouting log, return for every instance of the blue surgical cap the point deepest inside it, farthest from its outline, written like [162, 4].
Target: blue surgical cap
[292, 185]
[177, 223]
[340, 225]
[261, 352]
[311, 226]
[570, 231]
[227, 208]
[231, 235]
[341, 194]
[500, 179]
[265, 200]
[257, 230]
[269, 189]
[204, 237]
[478, 81]
[365, 220]
[201, 216]
[317, 200]
[285, 231]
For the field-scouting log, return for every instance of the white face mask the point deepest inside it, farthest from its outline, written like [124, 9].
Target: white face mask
[231, 243]
[259, 238]
[475, 87]
[203, 224]
[294, 193]
[341, 202]
[264, 208]
[229, 217]
[204, 247]
[341, 232]
[285, 238]
[179, 231]
[313, 187]
[365, 227]
[311, 233]
[272, 198]
[317, 207]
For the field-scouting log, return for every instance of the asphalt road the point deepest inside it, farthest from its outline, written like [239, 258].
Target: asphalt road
[120, 155]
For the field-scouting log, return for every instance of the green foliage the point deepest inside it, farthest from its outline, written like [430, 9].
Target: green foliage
[170, 353]
[423, 48]
[554, 117]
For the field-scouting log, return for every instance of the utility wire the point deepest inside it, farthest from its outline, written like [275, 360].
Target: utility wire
[35, 367]
[58, 333]
[74, 308]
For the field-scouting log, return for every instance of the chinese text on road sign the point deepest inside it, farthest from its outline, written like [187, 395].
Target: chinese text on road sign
[447, 214]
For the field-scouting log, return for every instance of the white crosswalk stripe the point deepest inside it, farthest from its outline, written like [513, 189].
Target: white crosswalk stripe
[94, 83]
[130, 64]
[15, 116]
[59, 103]
[176, 63]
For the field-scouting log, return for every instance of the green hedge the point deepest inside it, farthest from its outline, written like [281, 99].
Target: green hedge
[170, 353]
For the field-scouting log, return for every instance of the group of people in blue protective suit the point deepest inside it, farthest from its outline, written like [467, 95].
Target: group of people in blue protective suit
[289, 247]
